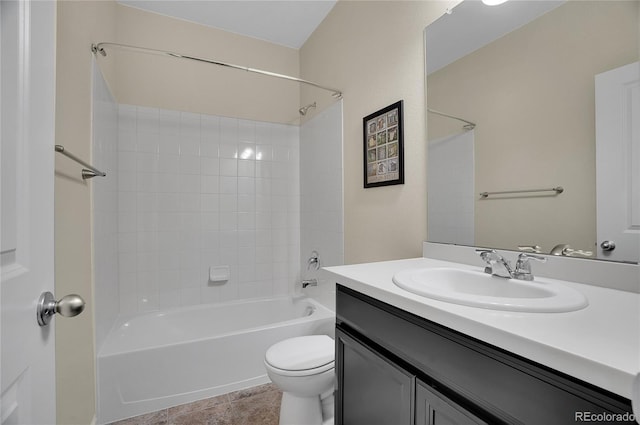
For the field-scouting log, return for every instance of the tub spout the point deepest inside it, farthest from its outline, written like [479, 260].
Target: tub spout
[309, 282]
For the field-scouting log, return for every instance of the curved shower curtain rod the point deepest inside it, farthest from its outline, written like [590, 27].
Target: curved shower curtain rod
[99, 48]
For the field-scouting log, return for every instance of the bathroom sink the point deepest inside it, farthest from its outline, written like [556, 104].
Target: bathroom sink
[478, 289]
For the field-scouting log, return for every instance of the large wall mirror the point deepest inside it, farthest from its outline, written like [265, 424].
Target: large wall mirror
[534, 127]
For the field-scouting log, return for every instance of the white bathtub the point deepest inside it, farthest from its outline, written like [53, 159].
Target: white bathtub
[164, 359]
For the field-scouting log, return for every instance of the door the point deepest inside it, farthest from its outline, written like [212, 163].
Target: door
[618, 163]
[371, 389]
[27, 65]
[433, 408]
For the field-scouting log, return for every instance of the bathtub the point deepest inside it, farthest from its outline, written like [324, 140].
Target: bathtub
[162, 359]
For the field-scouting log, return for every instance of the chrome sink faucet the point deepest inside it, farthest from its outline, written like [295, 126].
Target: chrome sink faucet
[498, 266]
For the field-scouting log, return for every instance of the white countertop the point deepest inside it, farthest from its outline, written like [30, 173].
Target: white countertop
[599, 344]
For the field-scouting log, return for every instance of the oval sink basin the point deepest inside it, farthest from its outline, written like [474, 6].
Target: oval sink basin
[483, 290]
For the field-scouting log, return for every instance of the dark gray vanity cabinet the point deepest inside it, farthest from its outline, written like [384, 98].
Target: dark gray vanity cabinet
[376, 390]
[433, 408]
[395, 368]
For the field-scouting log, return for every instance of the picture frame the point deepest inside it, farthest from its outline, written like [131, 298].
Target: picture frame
[384, 147]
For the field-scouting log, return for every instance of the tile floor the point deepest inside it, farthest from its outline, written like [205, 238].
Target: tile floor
[253, 406]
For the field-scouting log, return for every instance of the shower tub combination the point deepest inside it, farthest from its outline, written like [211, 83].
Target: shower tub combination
[163, 359]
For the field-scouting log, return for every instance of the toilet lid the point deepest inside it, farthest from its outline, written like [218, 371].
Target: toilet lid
[301, 353]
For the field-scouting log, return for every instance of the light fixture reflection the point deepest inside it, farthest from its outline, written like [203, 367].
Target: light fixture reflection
[246, 154]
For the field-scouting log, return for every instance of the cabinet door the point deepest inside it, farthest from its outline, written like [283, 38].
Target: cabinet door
[371, 389]
[432, 408]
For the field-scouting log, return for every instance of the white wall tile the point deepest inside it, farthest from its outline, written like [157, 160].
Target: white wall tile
[169, 143]
[189, 183]
[228, 185]
[168, 163]
[148, 142]
[228, 203]
[209, 149]
[189, 125]
[246, 151]
[228, 130]
[210, 241]
[169, 299]
[209, 202]
[189, 164]
[210, 220]
[228, 221]
[200, 191]
[228, 150]
[209, 166]
[168, 182]
[190, 202]
[168, 122]
[246, 203]
[209, 184]
[189, 145]
[127, 140]
[190, 296]
[264, 169]
[264, 153]
[228, 167]
[168, 267]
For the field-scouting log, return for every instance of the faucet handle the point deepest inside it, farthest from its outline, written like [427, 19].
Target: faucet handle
[497, 265]
[313, 261]
[523, 267]
[530, 248]
[523, 260]
[485, 254]
[527, 255]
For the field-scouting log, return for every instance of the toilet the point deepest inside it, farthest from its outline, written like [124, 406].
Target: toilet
[304, 369]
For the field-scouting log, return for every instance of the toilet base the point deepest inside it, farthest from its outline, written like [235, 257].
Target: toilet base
[296, 410]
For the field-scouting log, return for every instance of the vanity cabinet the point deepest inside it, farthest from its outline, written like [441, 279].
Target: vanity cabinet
[396, 368]
[376, 390]
[433, 408]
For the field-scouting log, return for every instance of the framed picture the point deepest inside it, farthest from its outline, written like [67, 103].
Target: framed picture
[383, 147]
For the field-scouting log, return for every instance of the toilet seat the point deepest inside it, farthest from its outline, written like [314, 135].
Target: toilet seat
[302, 356]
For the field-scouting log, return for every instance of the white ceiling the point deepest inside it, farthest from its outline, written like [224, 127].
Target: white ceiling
[288, 23]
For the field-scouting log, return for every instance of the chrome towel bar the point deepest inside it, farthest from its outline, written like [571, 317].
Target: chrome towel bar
[87, 173]
[558, 190]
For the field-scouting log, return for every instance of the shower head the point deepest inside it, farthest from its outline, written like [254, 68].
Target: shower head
[304, 109]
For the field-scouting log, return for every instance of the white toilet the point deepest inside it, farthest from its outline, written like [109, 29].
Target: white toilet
[304, 369]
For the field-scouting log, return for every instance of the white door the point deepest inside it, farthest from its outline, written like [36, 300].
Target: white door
[618, 163]
[27, 72]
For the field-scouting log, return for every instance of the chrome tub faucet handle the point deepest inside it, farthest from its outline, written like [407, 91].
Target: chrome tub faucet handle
[314, 261]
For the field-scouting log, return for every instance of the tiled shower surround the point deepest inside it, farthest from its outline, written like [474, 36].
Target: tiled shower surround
[185, 192]
[198, 191]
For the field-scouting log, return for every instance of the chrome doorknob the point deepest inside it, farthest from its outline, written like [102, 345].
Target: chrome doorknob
[68, 306]
[608, 245]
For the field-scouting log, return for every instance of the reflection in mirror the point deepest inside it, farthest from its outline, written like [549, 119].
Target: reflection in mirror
[542, 93]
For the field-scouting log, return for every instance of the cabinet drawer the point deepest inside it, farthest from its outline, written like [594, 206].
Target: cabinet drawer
[507, 387]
